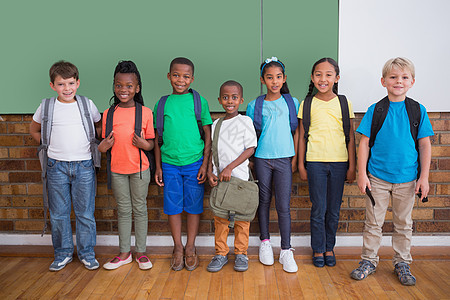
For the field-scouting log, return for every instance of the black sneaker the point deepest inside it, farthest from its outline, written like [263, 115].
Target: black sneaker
[404, 274]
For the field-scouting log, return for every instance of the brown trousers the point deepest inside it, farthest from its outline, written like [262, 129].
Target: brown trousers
[241, 233]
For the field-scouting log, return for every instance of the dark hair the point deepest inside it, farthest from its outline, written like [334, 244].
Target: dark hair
[127, 67]
[181, 61]
[64, 69]
[284, 89]
[336, 69]
[232, 83]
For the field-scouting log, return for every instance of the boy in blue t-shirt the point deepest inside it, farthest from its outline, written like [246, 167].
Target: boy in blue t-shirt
[392, 172]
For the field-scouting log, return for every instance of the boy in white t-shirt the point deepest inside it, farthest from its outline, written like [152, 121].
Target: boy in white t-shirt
[70, 168]
[237, 142]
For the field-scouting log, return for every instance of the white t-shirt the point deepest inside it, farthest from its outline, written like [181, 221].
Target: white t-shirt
[68, 140]
[236, 135]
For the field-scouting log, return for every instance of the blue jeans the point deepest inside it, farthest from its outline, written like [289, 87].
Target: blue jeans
[72, 182]
[276, 173]
[326, 185]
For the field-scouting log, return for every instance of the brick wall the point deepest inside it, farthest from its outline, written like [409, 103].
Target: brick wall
[21, 191]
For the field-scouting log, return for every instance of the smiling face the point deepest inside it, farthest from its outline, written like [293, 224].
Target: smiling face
[66, 88]
[324, 77]
[125, 87]
[180, 77]
[397, 82]
[230, 98]
[274, 79]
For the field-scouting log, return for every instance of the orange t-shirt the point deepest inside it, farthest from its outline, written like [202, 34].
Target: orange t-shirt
[125, 156]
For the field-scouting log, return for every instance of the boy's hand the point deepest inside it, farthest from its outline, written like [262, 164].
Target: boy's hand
[303, 173]
[363, 182]
[213, 180]
[106, 143]
[225, 175]
[423, 186]
[201, 175]
[159, 177]
[351, 175]
[139, 141]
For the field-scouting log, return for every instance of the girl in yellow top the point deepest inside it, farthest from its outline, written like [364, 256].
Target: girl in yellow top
[328, 162]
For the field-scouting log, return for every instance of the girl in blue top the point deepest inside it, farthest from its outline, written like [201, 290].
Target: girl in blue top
[275, 160]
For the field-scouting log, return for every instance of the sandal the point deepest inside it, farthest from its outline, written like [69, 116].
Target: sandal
[177, 262]
[365, 269]
[191, 262]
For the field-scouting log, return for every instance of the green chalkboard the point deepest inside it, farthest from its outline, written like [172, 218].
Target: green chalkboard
[222, 38]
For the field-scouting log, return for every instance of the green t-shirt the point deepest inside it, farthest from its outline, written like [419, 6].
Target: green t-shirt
[182, 143]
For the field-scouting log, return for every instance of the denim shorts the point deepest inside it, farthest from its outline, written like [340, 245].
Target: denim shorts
[181, 189]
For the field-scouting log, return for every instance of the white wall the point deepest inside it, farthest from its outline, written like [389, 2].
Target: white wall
[373, 31]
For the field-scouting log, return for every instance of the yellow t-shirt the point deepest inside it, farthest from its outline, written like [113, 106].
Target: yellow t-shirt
[326, 140]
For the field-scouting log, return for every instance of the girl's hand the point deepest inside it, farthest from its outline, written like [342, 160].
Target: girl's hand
[159, 177]
[140, 142]
[106, 143]
[201, 175]
[294, 164]
[303, 173]
[351, 175]
[225, 175]
[213, 180]
[363, 182]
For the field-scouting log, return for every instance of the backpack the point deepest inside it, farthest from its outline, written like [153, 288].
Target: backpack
[306, 117]
[379, 115]
[47, 109]
[257, 117]
[137, 129]
[236, 199]
[160, 115]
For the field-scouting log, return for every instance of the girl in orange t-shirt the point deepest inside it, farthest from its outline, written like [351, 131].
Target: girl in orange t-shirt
[129, 179]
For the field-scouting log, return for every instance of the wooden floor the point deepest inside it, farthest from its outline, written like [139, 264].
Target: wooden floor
[27, 277]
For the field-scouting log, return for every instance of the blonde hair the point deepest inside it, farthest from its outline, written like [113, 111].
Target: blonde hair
[401, 63]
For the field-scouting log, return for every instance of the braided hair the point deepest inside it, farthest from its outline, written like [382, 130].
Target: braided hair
[127, 66]
[284, 89]
[336, 69]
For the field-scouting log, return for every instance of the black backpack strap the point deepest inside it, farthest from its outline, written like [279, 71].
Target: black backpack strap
[293, 121]
[413, 110]
[137, 130]
[198, 112]
[108, 129]
[306, 116]
[257, 115]
[379, 115]
[345, 118]
[160, 119]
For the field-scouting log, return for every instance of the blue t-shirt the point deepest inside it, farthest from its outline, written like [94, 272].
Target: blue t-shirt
[276, 137]
[393, 156]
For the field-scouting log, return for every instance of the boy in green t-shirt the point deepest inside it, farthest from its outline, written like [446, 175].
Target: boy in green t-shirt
[182, 160]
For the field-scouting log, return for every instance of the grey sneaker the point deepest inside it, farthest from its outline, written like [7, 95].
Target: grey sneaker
[241, 263]
[60, 263]
[217, 263]
[90, 264]
[365, 269]
[404, 274]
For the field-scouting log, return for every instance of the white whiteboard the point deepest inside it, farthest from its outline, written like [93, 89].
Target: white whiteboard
[373, 31]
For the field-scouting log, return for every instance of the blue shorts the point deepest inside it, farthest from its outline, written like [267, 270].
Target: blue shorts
[181, 189]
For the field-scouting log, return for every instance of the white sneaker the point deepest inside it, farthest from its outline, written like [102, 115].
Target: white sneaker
[266, 253]
[288, 261]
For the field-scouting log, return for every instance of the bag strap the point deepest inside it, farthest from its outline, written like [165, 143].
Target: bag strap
[138, 130]
[88, 125]
[108, 129]
[198, 112]
[414, 115]
[293, 120]
[345, 118]
[379, 115]
[257, 116]
[47, 108]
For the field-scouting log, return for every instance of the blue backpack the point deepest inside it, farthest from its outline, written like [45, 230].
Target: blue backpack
[160, 115]
[257, 117]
